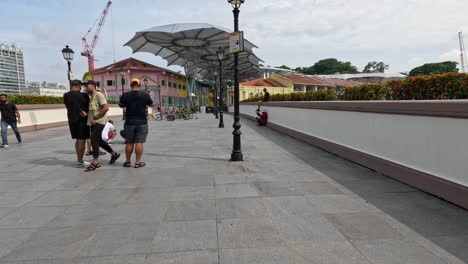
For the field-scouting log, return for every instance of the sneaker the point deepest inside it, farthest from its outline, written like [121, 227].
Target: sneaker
[82, 164]
[4, 146]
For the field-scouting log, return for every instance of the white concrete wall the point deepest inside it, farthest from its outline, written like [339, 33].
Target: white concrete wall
[435, 145]
[46, 116]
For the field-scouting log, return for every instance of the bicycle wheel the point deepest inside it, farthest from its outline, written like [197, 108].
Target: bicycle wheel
[191, 115]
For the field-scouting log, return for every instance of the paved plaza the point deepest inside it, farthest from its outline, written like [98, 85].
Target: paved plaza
[287, 203]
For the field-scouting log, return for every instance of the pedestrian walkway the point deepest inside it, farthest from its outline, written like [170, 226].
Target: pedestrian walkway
[287, 203]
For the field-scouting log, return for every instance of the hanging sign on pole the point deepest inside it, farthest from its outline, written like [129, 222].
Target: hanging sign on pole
[236, 42]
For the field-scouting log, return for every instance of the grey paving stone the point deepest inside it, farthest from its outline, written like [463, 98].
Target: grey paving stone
[108, 197]
[5, 211]
[17, 199]
[9, 186]
[53, 243]
[277, 189]
[40, 185]
[185, 236]
[248, 232]
[236, 190]
[456, 245]
[10, 239]
[120, 240]
[123, 259]
[329, 253]
[335, 204]
[149, 195]
[396, 251]
[363, 226]
[82, 215]
[60, 198]
[136, 213]
[190, 210]
[261, 255]
[191, 257]
[192, 193]
[309, 229]
[290, 205]
[241, 208]
[30, 217]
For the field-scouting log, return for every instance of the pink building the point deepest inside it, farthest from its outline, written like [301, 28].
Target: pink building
[166, 87]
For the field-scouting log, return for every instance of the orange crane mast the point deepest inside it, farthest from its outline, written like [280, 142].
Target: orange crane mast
[88, 50]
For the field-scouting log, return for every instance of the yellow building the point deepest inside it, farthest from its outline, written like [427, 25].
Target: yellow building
[254, 88]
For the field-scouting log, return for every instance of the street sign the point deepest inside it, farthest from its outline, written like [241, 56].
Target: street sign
[236, 42]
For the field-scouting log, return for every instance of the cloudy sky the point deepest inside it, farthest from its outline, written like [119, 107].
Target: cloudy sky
[402, 33]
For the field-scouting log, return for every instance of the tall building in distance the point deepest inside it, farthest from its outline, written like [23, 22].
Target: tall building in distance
[12, 79]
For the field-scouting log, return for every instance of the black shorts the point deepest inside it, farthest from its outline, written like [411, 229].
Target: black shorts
[136, 134]
[79, 130]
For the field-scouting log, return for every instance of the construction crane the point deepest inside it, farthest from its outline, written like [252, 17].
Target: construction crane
[462, 53]
[88, 50]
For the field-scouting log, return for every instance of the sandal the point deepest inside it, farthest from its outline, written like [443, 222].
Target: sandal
[89, 153]
[114, 158]
[92, 167]
[140, 165]
[127, 164]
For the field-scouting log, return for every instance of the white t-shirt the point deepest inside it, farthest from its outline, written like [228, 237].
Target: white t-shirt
[105, 132]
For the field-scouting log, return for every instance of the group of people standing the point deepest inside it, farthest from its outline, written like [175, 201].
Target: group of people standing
[87, 119]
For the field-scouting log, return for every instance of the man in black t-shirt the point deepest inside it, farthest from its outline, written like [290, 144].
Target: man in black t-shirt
[266, 95]
[136, 103]
[77, 104]
[10, 117]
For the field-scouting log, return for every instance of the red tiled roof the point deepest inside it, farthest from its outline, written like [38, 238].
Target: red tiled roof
[132, 64]
[269, 82]
[299, 79]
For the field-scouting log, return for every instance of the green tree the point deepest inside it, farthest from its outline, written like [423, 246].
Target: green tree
[435, 68]
[374, 67]
[329, 66]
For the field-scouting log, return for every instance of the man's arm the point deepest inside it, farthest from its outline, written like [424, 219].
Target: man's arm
[18, 116]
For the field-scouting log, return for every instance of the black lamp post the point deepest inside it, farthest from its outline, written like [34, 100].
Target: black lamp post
[236, 154]
[68, 56]
[220, 54]
[122, 81]
[215, 99]
[145, 81]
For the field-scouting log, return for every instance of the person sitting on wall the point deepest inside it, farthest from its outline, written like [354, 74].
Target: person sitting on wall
[262, 118]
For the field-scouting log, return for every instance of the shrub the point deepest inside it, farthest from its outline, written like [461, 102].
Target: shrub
[33, 99]
[365, 92]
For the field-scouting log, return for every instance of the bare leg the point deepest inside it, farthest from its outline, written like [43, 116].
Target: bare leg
[88, 145]
[138, 152]
[128, 151]
[80, 146]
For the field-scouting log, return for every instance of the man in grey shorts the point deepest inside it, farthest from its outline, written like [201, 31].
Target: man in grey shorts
[136, 103]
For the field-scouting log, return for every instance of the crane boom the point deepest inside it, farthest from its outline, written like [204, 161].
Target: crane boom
[88, 50]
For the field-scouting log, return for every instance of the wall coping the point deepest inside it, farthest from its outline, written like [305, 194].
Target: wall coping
[436, 108]
[46, 106]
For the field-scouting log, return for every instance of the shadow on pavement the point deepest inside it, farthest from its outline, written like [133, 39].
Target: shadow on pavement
[443, 223]
[184, 157]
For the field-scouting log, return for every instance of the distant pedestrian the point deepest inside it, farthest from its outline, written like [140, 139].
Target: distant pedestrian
[10, 117]
[266, 95]
[77, 104]
[136, 103]
[97, 119]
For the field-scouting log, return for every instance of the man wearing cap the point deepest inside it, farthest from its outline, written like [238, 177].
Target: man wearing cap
[77, 104]
[97, 119]
[136, 103]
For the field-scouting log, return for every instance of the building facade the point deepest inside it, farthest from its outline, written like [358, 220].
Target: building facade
[12, 80]
[44, 89]
[166, 87]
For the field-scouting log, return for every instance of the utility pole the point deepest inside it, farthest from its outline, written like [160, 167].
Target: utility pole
[462, 52]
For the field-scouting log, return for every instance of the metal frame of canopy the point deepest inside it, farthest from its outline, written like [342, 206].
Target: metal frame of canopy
[188, 45]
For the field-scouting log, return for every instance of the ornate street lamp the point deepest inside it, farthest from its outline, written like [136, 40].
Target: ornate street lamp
[215, 97]
[236, 154]
[220, 54]
[68, 54]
